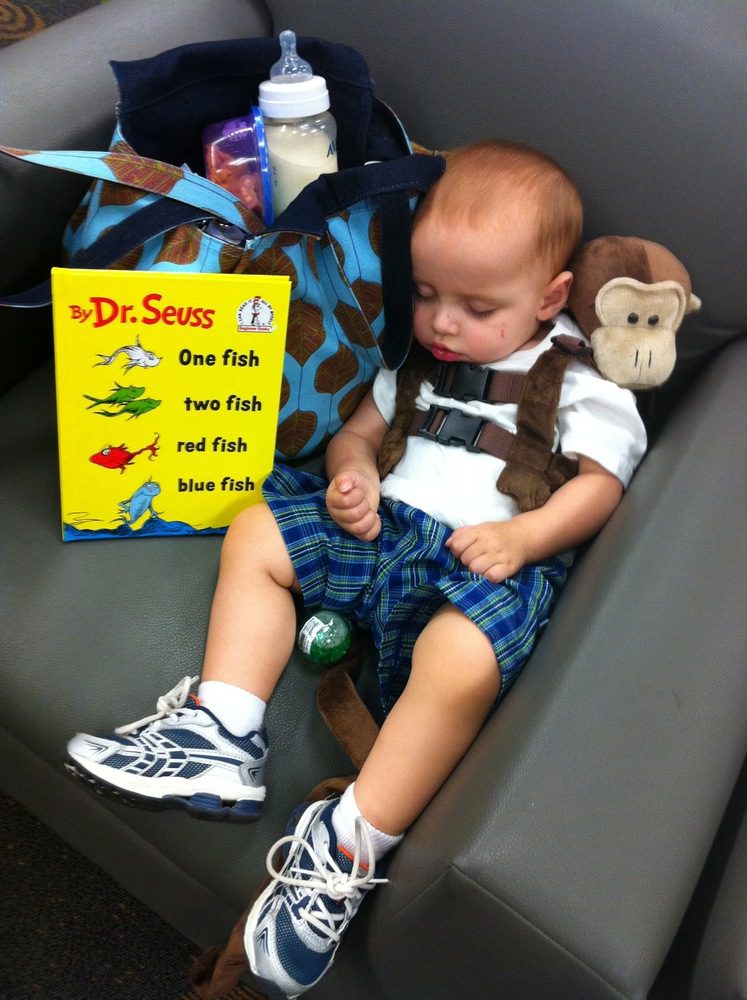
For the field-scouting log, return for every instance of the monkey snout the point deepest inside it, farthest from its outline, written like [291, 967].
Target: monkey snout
[635, 358]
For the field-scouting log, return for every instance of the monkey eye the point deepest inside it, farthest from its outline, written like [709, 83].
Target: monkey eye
[653, 320]
[633, 318]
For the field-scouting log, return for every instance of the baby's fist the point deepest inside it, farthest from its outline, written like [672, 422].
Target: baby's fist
[352, 501]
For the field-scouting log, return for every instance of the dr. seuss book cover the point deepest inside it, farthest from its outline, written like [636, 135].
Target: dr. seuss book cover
[168, 391]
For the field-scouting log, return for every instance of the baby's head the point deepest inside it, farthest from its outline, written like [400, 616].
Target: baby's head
[491, 245]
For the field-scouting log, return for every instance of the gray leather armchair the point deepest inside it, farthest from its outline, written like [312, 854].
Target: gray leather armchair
[592, 844]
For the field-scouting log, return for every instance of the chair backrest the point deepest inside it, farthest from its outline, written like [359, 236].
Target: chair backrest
[58, 92]
[643, 103]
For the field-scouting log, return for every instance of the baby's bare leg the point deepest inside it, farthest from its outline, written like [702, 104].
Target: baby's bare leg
[252, 623]
[208, 755]
[454, 682]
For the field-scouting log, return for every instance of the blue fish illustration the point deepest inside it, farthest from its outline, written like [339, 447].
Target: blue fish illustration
[140, 502]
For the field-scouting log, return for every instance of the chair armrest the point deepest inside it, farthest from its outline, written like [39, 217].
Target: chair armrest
[721, 965]
[553, 860]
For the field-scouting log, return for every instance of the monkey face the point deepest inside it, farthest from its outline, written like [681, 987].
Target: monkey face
[634, 346]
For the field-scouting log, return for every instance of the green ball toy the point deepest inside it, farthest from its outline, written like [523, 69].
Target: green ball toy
[325, 637]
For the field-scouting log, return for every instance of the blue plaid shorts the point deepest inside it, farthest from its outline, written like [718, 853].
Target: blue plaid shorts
[393, 585]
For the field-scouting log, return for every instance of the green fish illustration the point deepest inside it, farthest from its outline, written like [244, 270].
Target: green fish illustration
[120, 394]
[134, 407]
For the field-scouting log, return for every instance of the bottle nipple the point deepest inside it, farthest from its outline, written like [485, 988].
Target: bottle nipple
[290, 68]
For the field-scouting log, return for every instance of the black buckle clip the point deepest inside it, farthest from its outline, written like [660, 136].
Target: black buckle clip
[462, 380]
[457, 428]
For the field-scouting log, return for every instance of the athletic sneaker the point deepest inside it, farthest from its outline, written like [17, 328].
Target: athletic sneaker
[180, 757]
[295, 926]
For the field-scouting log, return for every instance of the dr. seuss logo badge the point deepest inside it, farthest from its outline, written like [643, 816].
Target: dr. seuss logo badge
[255, 316]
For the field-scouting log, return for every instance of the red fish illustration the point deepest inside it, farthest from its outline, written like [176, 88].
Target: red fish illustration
[118, 457]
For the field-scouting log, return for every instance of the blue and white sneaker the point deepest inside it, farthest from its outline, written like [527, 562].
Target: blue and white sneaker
[180, 757]
[295, 926]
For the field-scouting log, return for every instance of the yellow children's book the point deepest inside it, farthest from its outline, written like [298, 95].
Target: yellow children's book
[168, 393]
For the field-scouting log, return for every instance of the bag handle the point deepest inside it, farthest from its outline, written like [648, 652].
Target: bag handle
[151, 220]
[387, 184]
[332, 193]
[182, 201]
[165, 214]
[396, 278]
[184, 198]
[307, 213]
[122, 166]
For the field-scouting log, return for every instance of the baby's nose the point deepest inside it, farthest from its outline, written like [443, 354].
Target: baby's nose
[444, 321]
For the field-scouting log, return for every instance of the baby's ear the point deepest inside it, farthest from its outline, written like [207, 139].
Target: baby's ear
[555, 295]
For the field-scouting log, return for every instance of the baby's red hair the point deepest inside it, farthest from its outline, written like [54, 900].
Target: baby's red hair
[482, 179]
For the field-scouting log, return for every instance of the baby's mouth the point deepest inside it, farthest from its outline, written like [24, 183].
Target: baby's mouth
[443, 353]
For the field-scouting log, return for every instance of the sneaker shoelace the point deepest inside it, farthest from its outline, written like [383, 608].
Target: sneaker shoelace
[166, 706]
[326, 879]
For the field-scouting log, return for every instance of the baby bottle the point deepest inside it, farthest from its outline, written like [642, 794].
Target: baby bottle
[300, 132]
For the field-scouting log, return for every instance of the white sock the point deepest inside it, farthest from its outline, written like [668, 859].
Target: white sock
[240, 711]
[344, 816]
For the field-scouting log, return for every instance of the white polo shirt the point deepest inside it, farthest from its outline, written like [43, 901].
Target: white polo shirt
[595, 418]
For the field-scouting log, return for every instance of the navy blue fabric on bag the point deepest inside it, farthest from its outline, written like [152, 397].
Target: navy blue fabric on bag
[168, 99]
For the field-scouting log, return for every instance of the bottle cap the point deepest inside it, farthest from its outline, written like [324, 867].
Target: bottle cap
[294, 98]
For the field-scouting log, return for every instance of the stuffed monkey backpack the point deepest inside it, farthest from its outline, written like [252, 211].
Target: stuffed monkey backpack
[629, 297]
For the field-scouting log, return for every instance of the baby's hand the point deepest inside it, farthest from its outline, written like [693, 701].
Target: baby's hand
[353, 503]
[494, 549]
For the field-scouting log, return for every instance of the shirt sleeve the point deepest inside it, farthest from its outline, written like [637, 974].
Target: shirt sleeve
[600, 420]
[385, 393]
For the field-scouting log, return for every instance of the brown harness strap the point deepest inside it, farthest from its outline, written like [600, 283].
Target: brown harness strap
[454, 427]
[533, 470]
[409, 378]
[460, 381]
[467, 382]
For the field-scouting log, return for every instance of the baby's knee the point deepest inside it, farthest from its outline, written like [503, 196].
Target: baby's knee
[246, 521]
[254, 539]
[456, 655]
[248, 528]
